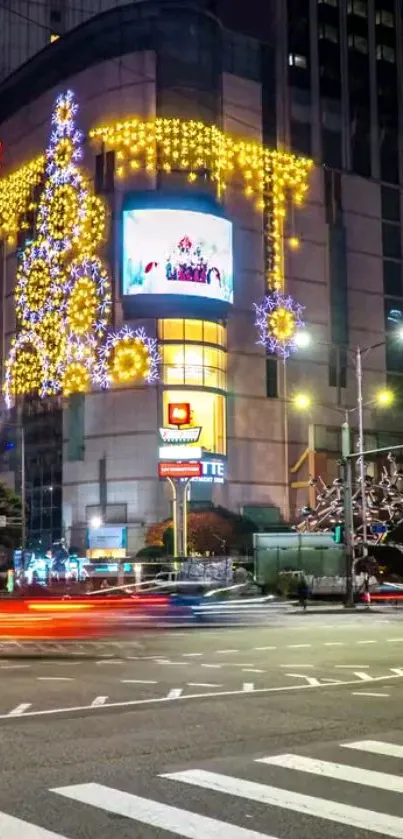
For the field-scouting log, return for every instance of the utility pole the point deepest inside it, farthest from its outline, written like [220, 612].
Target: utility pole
[358, 362]
[348, 511]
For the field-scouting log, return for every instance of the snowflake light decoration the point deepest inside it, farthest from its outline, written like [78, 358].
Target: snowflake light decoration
[129, 355]
[63, 296]
[278, 318]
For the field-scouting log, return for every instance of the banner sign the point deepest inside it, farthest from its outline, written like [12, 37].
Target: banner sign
[180, 453]
[179, 470]
[180, 435]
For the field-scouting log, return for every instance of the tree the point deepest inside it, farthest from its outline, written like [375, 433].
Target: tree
[216, 531]
[10, 506]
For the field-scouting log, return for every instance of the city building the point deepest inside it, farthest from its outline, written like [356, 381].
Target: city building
[303, 79]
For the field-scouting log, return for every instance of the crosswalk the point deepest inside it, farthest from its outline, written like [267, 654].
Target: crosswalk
[340, 782]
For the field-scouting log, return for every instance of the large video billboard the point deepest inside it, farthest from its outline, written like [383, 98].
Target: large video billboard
[177, 252]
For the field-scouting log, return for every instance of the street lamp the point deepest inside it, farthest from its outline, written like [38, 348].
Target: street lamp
[95, 522]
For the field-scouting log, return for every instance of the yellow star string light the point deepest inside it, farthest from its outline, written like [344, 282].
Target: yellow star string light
[281, 322]
[76, 378]
[82, 306]
[16, 197]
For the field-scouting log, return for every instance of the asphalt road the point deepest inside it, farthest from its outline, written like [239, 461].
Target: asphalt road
[166, 735]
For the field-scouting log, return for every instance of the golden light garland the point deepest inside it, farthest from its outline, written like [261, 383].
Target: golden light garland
[27, 371]
[76, 378]
[130, 361]
[82, 306]
[62, 208]
[167, 145]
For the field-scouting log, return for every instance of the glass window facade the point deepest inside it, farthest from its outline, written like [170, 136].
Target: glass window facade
[194, 364]
[177, 329]
[207, 411]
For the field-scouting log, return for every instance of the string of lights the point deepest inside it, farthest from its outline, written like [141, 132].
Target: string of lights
[63, 297]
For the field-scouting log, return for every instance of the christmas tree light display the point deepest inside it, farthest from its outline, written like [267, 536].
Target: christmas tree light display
[63, 296]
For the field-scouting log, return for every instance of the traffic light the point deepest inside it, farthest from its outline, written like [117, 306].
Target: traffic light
[338, 534]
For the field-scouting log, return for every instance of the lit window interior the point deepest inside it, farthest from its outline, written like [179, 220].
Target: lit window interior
[207, 411]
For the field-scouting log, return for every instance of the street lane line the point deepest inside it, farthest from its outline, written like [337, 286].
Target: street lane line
[99, 700]
[156, 700]
[213, 666]
[226, 651]
[334, 644]
[12, 828]
[376, 747]
[335, 811]
[366, 642]
[248, 687]
[55, 679]
[297, 665]
[203, 685]
[393, 640]
[191, 655]
[337, 771]
[138, 682]
[367, 693]
[297, 646]
[175, 693]
[351, 666]
[365, 677]
[252, 670]
[265, 648]
[152, 813]
[19, 709]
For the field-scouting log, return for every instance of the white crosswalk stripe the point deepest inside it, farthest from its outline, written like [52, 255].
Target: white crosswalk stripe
[164, 816]
[156, 815]
[309, 805]
[12, 828]
[338, 771]
[376, 747]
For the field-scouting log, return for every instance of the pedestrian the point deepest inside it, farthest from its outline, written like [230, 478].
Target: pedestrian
[366, 594]
[302, 592]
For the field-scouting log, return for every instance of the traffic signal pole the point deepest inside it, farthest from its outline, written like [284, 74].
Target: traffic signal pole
[348, 511]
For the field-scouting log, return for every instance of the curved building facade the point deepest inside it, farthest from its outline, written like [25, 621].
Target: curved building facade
[180, 119]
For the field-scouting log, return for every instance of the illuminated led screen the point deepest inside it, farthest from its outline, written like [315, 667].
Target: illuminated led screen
[177, 252]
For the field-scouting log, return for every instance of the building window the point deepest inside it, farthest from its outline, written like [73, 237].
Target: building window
[390, 199]
[329, 33]
[208, 332]
[391, 240]
[384, 53]
[333, 3]
[271, 377]
[384, 18]
[194, 364]
[392, 278]
[357, 7]
[207, 411]
[358, 43]
[297, 60]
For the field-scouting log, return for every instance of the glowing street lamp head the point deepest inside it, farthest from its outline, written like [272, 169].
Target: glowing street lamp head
[385, 397]
[95, 522]
[302, 401]
[302, 338]
[294, 243]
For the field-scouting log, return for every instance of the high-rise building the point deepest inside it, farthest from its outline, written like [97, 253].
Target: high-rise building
[315, 78]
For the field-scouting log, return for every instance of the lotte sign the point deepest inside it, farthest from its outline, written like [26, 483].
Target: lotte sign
[179, 470]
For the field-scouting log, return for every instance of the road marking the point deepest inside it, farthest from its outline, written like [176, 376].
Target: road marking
[338, 771]
[376, 747]
[226, 651]
[265, 648]
[99, 700]
[55, 679]
[397, 670]
[156, 700]
[365, 677]
[366, 693]
[172, 663]
[351, 666]
[14, 666]
[11, 828]
[356, 817]
[311, 680]
[203, 685]
[213, 666]
[152, 813]
[19, 709]
[252, 670]
[366, 642]
[297, 646]
[393, 640]
[191, 655]
[175, 693]
[248, 687]
[334, 644]
[297, 665]
[138, 682]
[110, 661]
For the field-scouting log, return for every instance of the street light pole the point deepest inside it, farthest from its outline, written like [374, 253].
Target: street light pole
[358, 366]
[348, 510]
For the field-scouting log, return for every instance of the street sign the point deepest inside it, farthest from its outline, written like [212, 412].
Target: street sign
[3, 521]
[179, 470]
[378, 528]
